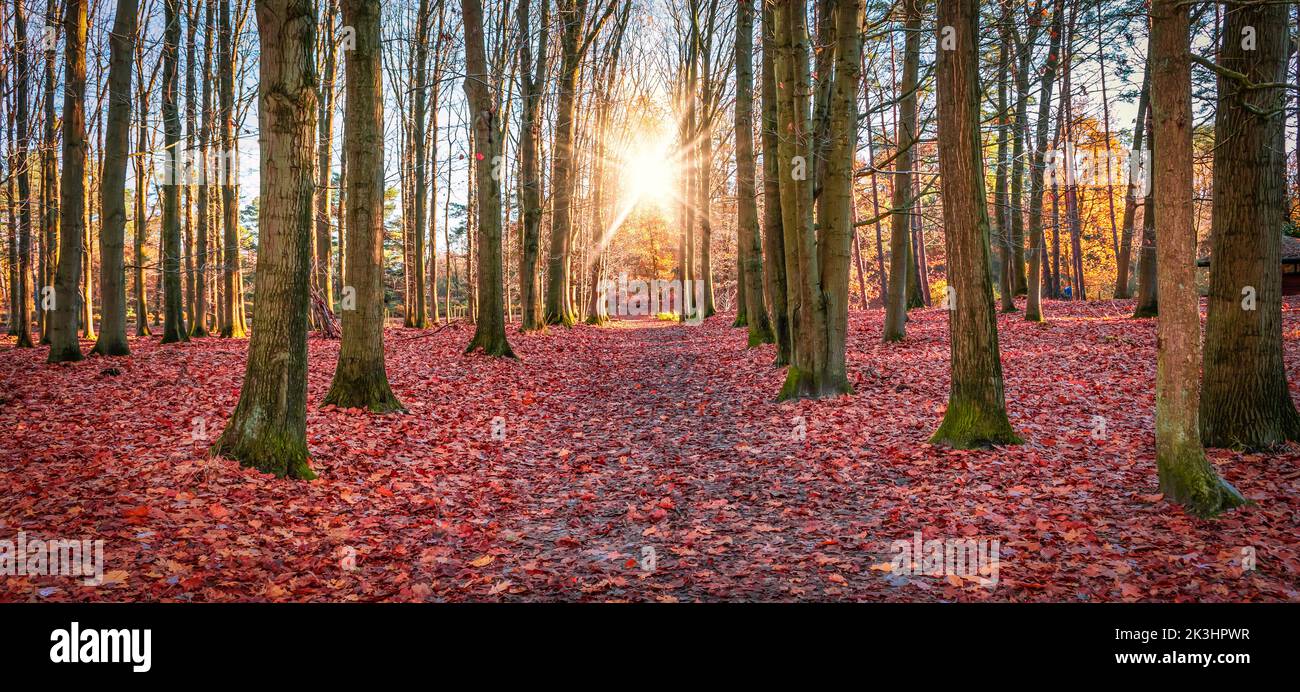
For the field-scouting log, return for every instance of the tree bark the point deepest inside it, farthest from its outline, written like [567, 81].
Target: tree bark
[976, 414]
[232, 325]
[748, 244]
[64, 346]
[774, 275]
[173, 298]
[20, 320]
[1186, 476]
[900, 244]
[1245, 400]
[268, 429]
[360, 379]
[1034, 295]
[490, 326]
[112, 277]
[1124, 258]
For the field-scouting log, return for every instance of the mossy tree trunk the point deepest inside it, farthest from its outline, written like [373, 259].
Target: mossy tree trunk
[900, 242]
[1245, 400]
[268, 430]
[976, 414]
[810, 374]
[490, 327]
[1186, 476]
[835, 238]
[774, 270]
[360, 379]
[173, 299]
[112, 211]
[64, 346]
[748, 243]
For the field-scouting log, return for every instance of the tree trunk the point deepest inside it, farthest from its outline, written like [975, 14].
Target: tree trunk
[268, 430]
[1245, 401]
[360, 380]
[112, 277]
[559, 308]
[900, 244]
[1123, 258]
[490, 327]
[173, 298]
[976, 414]
[748, 244]
[232, 325]
[1033, 301]
[1001, 198]
[1147, 303]
[199, 328]
[20, 320]
[774, 276]
[49, 176]
[1186, 477]
[531, 73]
[810, 374]
[321, 269]
[64, 346]
[420, 182]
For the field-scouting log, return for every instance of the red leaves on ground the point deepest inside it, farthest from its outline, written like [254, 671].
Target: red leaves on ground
[643, 461]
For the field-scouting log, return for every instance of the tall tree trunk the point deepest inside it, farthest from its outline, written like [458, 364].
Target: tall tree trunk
[977, 414]
[324, 160]
[50, 175]
[774, 275]
[232, 325]
[900, 244]
[559, 309]
[64, 346]
[360, 380]
[836, 236]
[199, 328]
[173, 298]
[140, 225]
[532, 71]
[420, 182]
[748, 244]
[1001, 198]
[1123, 258]
[1186, 477]
[490, 327]
[117, 137]
[1147, 303]
[1033, 302]
[268, 429]
[810, 374]
[20, 320]
[1245, 401]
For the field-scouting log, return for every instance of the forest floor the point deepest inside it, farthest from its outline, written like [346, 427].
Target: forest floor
[636, 446]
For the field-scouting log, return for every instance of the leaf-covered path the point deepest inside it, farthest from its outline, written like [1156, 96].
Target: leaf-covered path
[603, 452]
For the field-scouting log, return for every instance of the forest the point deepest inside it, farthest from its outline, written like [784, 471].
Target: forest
[650, 300]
